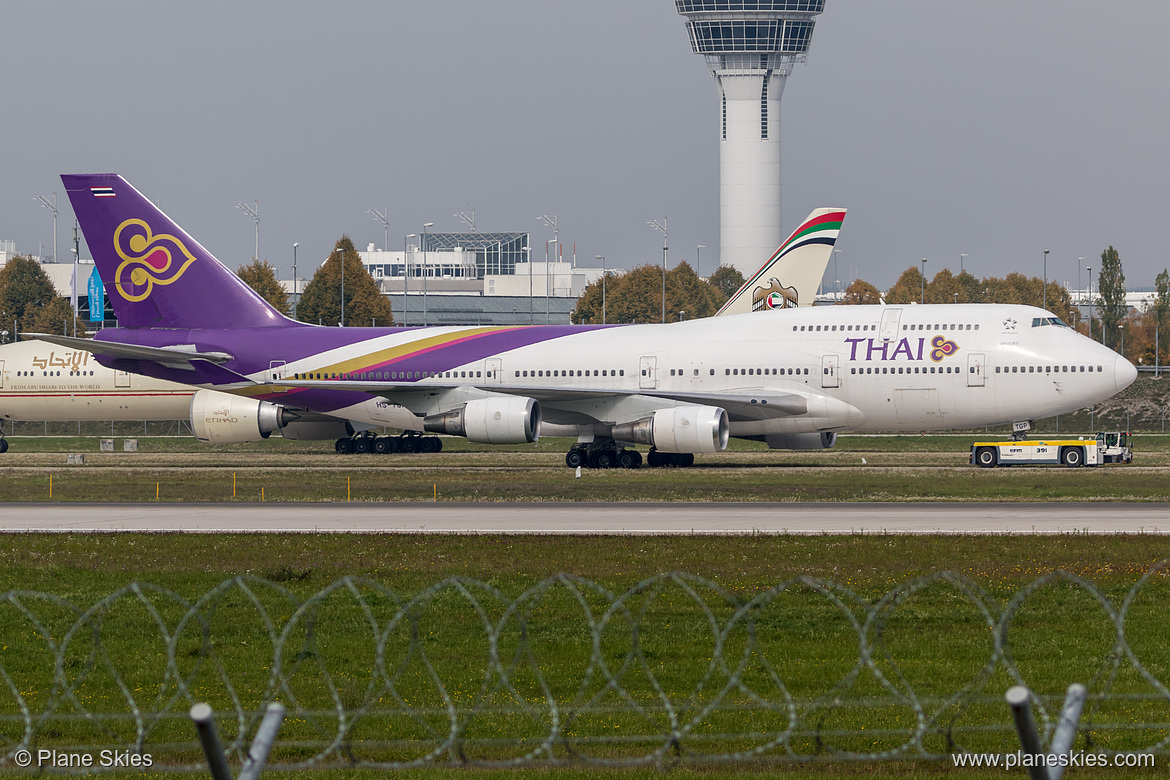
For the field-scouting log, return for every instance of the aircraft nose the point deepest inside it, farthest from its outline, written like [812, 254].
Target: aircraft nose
[1124, 373]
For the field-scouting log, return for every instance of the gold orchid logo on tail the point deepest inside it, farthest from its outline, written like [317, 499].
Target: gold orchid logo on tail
[147, 259]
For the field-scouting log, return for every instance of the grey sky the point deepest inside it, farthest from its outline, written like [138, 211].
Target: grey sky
[946, 126]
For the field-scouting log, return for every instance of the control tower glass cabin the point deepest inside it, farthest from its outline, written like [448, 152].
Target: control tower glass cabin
[750, 47]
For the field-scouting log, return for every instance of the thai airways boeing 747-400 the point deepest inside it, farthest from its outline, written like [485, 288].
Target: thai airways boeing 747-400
[793, 379]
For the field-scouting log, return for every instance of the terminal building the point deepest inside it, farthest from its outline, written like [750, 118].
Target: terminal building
[476, 279]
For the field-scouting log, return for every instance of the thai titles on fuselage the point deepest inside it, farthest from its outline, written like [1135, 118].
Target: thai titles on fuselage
[876, 349]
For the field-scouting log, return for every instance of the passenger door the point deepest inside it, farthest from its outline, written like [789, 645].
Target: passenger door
[891, 318]
[830, 365]
[976, 369]
[276, 368]
[1, 374]
[121, 379]
[493, 370]
[648, 367]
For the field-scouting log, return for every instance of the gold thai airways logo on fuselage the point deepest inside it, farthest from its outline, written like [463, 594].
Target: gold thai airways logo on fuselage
[147, 260]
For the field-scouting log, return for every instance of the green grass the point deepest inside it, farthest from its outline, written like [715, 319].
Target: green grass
[936, 637]
[860, 468]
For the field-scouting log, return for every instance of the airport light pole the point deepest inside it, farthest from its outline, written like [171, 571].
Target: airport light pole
[383, 217]
[341, 259]
[1044, 295]
[1089, 271]
[602, 259]
[296, 299]
[922, 282]
[661, 226]
[426, 226]
[51, 205]
[406, 277]
[254, 213]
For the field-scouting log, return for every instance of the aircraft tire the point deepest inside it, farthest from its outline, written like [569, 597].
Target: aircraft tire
[408, 444]
[363, 445]
[985, 458]
[384, 445]
[605, 459]
[575, 458]
[683, 460]
[1073, 457]
[656, 459]
[343, 446]
[3, 446]
[629, 459]
[430, 444]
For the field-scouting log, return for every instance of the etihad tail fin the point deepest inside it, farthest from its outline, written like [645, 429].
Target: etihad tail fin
[791, 275]
[158, 276]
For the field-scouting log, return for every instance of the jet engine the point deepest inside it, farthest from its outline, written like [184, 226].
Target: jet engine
[222, 418]
[491, 421]
[801, 441]
[682, 429]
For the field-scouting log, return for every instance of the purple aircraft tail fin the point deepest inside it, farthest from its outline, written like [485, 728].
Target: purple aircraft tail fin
[157, 275]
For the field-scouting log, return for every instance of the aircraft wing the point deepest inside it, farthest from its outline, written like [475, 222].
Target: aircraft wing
[748, 405]
[168, 356]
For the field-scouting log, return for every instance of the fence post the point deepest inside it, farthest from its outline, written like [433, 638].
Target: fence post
[257, 754]
[216, 761]
[263, 741]
[1018, 699]
[1066, 729]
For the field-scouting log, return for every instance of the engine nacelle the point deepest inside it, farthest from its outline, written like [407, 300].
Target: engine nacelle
[682, 429]
[801, 441]
[222, 418]
[491, 421]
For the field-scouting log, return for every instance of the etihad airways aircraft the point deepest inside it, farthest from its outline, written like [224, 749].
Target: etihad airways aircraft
[42, 381]
[793, 379]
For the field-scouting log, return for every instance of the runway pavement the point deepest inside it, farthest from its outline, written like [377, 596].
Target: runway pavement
[656, 518]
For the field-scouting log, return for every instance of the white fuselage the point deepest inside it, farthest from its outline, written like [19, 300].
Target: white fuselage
[860, 368]
[40, 381]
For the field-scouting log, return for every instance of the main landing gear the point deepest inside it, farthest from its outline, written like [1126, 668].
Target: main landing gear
[607, 454]
[364, 443]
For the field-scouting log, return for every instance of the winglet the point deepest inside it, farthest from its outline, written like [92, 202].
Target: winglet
[792, 274]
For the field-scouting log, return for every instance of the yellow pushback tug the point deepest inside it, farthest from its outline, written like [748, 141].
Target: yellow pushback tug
[1108, 447]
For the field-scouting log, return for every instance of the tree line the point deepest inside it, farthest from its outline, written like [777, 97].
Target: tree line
[29, 303]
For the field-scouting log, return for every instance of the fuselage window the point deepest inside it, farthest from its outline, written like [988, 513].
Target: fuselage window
[806, 372]
[712, 372]
[727, 372]
[735, 371]
[885, 371]
[1100, 368]
[793, 328]
[976, 326]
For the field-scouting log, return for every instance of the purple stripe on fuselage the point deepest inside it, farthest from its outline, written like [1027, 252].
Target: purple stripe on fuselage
[256, 348]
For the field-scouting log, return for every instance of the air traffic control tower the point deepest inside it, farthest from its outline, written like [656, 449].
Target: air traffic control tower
[751, 47]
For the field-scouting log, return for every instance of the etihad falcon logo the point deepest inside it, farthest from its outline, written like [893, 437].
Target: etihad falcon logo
[147, 260]
[774, 296]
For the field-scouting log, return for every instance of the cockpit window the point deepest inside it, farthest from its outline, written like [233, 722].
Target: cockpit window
[1039, 322]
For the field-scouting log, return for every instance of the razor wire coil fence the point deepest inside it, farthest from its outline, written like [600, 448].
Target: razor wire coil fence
[673, 669]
